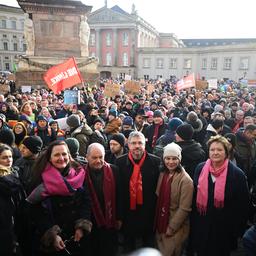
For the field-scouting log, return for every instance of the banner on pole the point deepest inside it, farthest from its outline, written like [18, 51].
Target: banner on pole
[63, 76]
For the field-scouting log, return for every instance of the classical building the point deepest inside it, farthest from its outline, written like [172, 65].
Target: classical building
[12, 40]
[126, 44]
[223, 60]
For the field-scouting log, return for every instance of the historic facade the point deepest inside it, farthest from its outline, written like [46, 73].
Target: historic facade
[12, 40]
[126, 44]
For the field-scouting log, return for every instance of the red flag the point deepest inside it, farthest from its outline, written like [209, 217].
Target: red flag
[187, 82]
[62, 76]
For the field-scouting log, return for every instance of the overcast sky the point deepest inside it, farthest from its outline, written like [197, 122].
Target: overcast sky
[190, 18]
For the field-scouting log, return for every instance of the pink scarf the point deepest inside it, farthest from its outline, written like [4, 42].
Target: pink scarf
[54, 184]
[155, 135]
[219, 191]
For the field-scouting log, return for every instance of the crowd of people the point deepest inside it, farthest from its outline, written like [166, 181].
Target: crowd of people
[164, 169]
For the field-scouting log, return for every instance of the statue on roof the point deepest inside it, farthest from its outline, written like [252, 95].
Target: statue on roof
[29, 35]
[133, 9]
[84, 35]
[106, 3]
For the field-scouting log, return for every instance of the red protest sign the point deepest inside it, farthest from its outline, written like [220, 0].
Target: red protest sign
[63, 76]
[187, 82]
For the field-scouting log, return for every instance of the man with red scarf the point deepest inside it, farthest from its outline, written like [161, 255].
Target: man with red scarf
[104, 188]
[155, 130]
[139, 173]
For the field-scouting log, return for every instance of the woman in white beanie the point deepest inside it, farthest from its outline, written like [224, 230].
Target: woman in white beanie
[175, 192]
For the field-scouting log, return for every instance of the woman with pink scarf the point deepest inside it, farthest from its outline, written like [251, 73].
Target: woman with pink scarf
[59, 203]
[220, 202]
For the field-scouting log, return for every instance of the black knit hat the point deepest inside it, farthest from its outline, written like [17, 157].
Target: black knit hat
[119, 138]
[7, 137]
[185, 131]
[33, 143]
[73, 121]
[73, 146]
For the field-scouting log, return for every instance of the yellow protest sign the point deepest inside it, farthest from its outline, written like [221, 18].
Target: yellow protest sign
[111, 90]
[132, 87]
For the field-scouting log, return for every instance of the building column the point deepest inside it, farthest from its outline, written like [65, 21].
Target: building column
[98, 45]
[115, 47]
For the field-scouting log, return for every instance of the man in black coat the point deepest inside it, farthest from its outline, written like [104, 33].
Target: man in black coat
[192, 152]
[104, 188]
[139, 173]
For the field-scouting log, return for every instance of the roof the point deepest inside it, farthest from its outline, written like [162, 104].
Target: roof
[217, 42]
[116, 8]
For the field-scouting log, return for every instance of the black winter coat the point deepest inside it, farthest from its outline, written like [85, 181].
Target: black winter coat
[141, 220]
[215, 232]
[192, 154]
[11, 198]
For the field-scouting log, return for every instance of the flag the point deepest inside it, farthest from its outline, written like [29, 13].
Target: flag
[187, 82]
[63, 76]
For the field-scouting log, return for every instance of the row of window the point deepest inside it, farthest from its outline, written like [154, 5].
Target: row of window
[14, 47]
[109, 60]
[11, 24]
[109, 40]
[187, 63]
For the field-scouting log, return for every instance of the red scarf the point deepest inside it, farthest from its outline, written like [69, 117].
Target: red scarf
[109, 191]
[219, 189]
[237, 126]
[163, 204]
[136, 193]
[155, 135]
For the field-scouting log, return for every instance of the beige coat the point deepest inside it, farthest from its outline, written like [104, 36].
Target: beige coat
[180, 206]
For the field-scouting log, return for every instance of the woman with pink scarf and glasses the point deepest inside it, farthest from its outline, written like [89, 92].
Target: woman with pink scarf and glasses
[220, 202]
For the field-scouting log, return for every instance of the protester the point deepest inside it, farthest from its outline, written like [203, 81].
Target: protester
[59, 181]
[138, 192]
[175, 192]
[220, 204]
[105, 191]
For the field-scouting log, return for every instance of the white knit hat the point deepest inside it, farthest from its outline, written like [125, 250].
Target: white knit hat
[172, 149]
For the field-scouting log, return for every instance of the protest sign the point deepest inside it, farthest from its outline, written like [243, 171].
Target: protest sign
[111, 90]
[62, 122]
[150, 88]
[127, 77]
[63, 76]
[252, 83]
[212, 83]
[71, 97]
[185, 83]
[4, 88]
[26, 88]
[132, 87]
[201, 85]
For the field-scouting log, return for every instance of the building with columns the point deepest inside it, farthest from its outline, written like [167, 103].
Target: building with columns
[12, 40]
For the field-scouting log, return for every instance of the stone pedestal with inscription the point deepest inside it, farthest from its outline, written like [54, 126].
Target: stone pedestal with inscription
[56, 30]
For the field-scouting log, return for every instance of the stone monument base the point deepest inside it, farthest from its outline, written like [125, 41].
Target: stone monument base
[31, 70]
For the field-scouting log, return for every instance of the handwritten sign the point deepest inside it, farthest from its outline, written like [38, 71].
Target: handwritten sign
[111, 90]
[132, 87]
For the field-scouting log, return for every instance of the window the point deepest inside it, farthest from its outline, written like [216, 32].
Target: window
[22, 25]
[244, 63]
[108, 59]
[187, 63]
[214, 63]
[125, 39]
[159, 63]
[227, 63]
[125, 59]
[146, 63]
[92, 39]
[13, 23]
[4, 36]
[108, 39]
[204, 63]
[7, 66]
[146, 77]
[6, 58]
[5, 46]
[173, 63]
[15, 46]
[24, 47]
[3, 24]
[14, 36]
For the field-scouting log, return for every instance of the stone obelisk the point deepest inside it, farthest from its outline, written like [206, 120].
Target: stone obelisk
[54, 30]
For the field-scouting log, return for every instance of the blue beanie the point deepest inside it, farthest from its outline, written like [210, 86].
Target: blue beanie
[128, 121]
[174, 123]
[112, 112]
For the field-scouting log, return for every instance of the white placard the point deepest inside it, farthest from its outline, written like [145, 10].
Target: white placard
[26, 88]
[127, 77]
[62, 122]
[212, 83]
